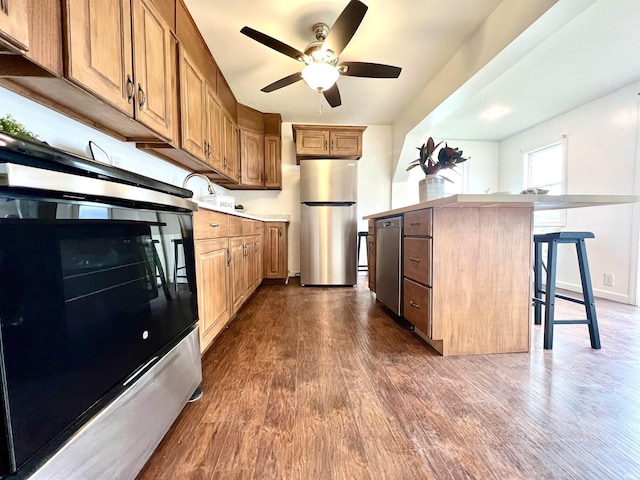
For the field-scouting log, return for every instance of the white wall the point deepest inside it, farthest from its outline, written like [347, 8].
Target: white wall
[602, 154]
[374, 186]
[479, 172]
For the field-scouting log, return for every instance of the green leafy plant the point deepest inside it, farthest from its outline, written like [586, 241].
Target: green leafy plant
[447, 158]
[10, 125]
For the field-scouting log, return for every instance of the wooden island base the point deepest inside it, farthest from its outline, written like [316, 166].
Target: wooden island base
[467, 267]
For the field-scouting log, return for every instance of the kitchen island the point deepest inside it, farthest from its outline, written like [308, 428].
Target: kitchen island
[467, 265]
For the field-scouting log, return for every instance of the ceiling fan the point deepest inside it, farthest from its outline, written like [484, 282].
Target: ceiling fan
[321, 56]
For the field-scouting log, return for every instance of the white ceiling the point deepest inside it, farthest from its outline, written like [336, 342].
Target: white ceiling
[593, 54]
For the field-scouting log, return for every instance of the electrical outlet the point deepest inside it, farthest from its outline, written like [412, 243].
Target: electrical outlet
[116, 161]
[608, 279]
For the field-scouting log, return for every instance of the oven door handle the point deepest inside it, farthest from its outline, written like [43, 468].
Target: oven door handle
[140, 370]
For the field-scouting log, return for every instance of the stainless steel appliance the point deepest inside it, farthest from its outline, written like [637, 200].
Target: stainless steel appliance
[98, 343]
[389, 263]
[328, 222]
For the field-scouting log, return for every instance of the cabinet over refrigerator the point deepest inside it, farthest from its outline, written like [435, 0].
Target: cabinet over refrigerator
[328, 222]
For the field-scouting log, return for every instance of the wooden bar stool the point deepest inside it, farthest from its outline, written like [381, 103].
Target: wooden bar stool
[552, 240]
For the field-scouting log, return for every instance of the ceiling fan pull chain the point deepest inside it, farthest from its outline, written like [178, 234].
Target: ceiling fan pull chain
[321, 102]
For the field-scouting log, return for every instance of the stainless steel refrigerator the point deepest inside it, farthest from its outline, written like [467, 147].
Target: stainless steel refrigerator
[328, 222]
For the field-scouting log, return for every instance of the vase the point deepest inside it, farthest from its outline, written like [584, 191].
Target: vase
[431, 187]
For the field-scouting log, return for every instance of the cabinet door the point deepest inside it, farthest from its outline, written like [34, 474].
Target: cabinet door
[14, 25]
[230, 154]
[251, 158]
[272, 162]
[346, 143]
[192, 101]
[212, 274]
[238, 284]
[214, 132]
[249, 261]
[312, 142]
[99, 49]
[275, 261]
[152, 68]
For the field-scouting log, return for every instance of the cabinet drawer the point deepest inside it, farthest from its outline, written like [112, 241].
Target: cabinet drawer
[251, 227]
[209, 224]
[417, 259]
[417, 305]
[235, 226]
[418, 223]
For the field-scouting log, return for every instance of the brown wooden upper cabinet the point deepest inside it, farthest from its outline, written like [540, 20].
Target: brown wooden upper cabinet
[130, 68]
[321, 141]
[252, 158]
[14, 26]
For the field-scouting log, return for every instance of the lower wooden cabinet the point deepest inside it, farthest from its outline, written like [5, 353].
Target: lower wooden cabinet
[238, 283]
[275, 251]
[230, 265]
[212, 272]
[417, 305]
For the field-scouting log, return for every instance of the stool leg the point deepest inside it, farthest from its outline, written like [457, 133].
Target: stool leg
[537, 282]
[358, 256]
[550, 294]
[587, 292]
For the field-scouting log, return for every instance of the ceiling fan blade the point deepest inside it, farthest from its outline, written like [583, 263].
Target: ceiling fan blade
[333, 96]
[283, 82]
[273, 43]
[369, 70]
[345, 26]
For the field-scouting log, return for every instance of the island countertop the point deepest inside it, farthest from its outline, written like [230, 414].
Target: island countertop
[538, 202]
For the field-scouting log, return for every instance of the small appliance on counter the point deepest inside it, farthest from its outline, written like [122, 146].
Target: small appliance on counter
[99, 348]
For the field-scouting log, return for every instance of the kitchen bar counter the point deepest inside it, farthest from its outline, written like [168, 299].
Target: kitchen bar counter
[538, 202]
[467, 264]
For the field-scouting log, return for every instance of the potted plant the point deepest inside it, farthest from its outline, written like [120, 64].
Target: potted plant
[432, 186]
[8, 124]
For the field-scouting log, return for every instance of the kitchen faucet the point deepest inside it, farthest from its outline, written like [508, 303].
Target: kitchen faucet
[204, 177]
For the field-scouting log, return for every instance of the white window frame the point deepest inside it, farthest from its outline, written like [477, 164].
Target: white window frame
[547, 218]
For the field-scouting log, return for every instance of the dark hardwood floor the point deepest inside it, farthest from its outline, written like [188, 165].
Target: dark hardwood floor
[320, 383]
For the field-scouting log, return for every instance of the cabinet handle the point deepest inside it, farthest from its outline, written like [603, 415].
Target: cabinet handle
[228, 257]
[414, 223]
[280, 231]
[130, 89]
[255, 247]
[413, 259]
[214, 225]
[414, 305]
[326, 145]
[143, 96]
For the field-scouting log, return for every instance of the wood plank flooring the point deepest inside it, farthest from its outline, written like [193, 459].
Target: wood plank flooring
[320, 383]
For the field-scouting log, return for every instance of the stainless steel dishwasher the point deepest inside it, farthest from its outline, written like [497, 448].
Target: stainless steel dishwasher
[389, 263]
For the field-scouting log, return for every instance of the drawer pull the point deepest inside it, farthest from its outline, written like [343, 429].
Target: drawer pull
[414, 305]
[214, 225]
[413, 259]
[414, 223]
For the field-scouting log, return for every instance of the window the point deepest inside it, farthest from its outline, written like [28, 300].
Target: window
[544, 168]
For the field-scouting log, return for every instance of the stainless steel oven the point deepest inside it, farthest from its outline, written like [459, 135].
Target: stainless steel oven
[88, 301]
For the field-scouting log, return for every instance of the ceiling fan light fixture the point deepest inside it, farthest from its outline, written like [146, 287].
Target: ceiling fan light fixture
[320, 76]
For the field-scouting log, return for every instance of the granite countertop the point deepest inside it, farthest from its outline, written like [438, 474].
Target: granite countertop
[538, 202]
[262, 217]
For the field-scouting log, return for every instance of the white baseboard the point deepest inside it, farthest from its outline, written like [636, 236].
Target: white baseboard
[616, 297]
